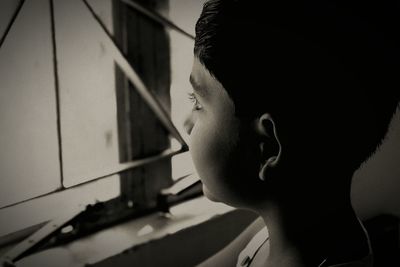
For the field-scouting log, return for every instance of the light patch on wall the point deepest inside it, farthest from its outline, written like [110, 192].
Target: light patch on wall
[376, 185]
[148, 229]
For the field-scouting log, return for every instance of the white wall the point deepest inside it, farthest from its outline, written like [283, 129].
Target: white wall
[376, 185]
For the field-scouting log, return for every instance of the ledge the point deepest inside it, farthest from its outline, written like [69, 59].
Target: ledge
[193, 226]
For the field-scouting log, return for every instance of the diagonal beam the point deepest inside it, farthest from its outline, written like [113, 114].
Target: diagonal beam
[134, 78]
[11, 23]
[156, 17]
[123, 167]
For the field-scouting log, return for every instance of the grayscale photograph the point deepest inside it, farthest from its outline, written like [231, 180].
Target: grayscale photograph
[199, 133]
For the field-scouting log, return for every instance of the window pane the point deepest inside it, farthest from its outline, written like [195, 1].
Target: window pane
[181, 62]
[184, 13]
[181, 165]
[29, 155]
[87, 92]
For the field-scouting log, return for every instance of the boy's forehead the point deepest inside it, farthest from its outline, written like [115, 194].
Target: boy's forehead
[201, 79]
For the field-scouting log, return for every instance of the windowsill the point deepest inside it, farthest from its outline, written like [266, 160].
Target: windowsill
[192, 223]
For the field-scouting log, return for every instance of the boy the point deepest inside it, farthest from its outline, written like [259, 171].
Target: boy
[289, 99]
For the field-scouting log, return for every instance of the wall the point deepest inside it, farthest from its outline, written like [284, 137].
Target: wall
[376, 185]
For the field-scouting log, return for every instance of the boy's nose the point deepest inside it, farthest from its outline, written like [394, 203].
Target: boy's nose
[188, 124]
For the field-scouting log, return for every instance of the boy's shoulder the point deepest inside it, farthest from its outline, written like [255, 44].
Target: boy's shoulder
[248, 233]
[228, 256]
[365, 262]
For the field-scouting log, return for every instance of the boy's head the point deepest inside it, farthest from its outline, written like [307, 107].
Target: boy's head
[323, 72]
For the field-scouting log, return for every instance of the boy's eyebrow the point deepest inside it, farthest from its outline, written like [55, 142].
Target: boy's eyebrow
[196, 86]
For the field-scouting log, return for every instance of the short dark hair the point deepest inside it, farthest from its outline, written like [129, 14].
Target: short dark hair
[333, 63]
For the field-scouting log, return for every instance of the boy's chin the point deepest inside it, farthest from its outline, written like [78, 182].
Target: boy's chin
[209, 195]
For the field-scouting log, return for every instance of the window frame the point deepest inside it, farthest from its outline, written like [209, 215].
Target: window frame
[130, 203]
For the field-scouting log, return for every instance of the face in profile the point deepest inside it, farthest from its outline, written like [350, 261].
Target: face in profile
[222, 158]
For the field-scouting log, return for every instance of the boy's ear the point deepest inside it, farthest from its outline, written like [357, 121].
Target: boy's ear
[270, 146]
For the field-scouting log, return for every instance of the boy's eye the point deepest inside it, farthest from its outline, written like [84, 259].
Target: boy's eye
[196, 103]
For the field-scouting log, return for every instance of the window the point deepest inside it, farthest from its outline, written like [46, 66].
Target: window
[78, 126]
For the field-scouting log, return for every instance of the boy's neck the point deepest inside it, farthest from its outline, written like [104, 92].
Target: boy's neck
[305, 236]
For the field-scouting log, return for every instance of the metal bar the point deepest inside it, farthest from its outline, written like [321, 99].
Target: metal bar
[9, 26]
[126, 166]
[182, 185]
[134, 78]
[32, 241]
[156, 17]
[121, 168]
